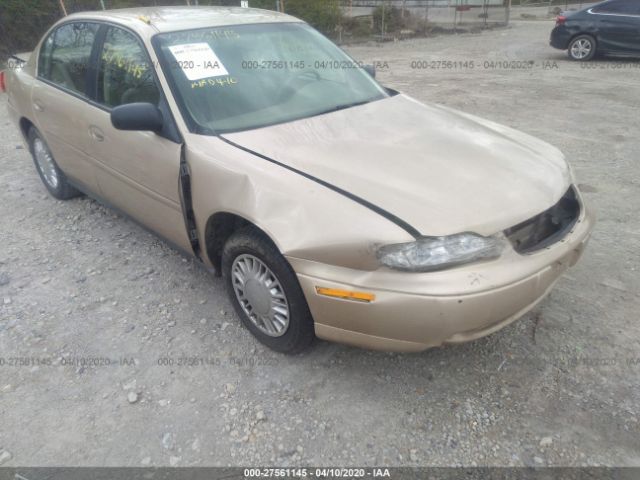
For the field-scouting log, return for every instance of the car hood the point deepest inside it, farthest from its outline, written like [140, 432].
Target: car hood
[439, 170]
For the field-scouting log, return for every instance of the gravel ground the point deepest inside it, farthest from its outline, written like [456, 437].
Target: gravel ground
[558, 387]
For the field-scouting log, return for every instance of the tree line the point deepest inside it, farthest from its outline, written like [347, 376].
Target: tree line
[23, 22]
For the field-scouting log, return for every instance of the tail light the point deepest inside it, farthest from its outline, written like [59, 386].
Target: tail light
[560, 19]
[3, 86]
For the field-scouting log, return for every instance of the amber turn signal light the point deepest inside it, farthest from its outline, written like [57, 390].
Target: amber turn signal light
[346, 294]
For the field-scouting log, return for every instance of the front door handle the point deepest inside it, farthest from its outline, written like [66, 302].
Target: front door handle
[96, 133]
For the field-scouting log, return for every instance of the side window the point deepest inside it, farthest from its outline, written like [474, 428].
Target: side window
[605, 8]
[620, 7]
[632, 7]
[124, 73]
[64, 56]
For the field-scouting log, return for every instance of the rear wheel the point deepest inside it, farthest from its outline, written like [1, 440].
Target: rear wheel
[50, 174]
[265, 292]
[582, 48]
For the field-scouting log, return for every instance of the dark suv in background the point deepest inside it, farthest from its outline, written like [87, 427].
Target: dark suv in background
[611, 27]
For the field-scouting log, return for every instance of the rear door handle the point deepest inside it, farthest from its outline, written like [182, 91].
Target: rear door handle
[37, 106]
[96, 133]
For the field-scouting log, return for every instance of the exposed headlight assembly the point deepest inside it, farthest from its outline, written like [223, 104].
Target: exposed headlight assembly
[437, 253]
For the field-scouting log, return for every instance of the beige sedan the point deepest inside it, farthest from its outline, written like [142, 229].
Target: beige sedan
[333, 207]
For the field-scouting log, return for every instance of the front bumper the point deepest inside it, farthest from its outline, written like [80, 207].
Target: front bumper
[416, 311]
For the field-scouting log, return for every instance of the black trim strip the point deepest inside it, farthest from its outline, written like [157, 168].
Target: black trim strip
[380, 211]
[17, 58]
[91, 78]
[187, 203]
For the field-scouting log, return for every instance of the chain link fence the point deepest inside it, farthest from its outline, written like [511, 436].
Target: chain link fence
[22, 22]
[398, 19]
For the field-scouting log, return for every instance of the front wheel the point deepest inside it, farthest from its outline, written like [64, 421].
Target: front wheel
[582, 48]
[265, 292]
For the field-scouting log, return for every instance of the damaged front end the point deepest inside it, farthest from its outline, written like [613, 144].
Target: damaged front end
[548, 227]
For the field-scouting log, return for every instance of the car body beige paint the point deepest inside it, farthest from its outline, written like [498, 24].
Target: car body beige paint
[407, 157]
[441, 171]
[146, 189]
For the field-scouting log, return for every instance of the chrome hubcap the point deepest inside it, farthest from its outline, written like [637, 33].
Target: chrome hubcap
[45, 163]
[260, 295]
[581, 48]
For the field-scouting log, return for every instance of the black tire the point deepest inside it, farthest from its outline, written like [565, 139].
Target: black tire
[299, 334]
[585, 40]
[60, 188]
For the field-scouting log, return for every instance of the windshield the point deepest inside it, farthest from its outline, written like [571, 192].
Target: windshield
[243, 77]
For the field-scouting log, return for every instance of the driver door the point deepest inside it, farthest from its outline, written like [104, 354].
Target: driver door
[138, 171]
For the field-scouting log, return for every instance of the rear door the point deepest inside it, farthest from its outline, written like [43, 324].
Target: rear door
[60, 99]
[619, 26]
[138, 172]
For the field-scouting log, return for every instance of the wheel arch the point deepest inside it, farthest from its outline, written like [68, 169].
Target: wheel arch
[219, 228]
[25, 125]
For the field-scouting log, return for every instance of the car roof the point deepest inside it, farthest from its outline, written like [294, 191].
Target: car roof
[150, 20]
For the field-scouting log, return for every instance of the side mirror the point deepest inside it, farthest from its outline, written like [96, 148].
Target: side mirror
[137, 116]
[371, 70]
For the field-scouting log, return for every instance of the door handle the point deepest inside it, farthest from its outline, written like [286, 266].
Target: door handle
[37, 106]
[96, 133]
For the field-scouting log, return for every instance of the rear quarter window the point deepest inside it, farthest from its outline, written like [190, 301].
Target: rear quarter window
[65, 54]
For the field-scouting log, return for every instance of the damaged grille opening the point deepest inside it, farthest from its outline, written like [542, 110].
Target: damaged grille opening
[547, 227]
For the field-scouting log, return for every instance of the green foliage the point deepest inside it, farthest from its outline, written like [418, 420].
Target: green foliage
[357, 27]
[392, 16]
[266, 4]
[19, 20]
[325, 15]
[23, 22]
